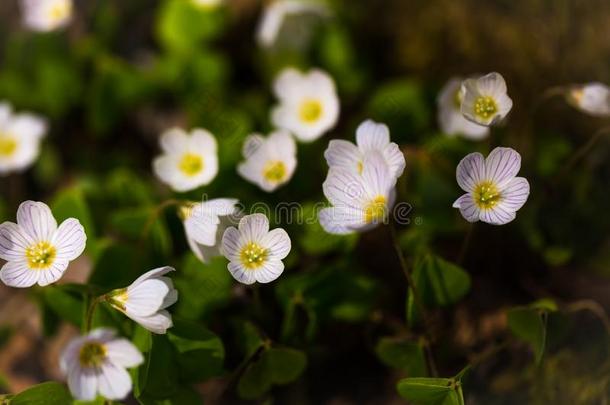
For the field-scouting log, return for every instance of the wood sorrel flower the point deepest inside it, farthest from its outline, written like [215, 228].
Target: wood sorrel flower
[37, 251]
[484, 100]
[46, 15]
[494, 194]
[254, 252]
[96, 363]
[450, 118]
[591, 98]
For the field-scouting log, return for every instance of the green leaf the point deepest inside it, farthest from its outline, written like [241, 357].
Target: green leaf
[143, 222]
[200, 352]
[158, 376]
[43, 394]
[530, 324]
[431, 391]
[275, 366]
[402, 354]
[70, 203]
[440, 282]
[116, 267]
[317, 241]
[66, 305]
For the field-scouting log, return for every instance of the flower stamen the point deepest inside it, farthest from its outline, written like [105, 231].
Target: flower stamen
[486, 195]
[375, 210]
[8, 145]
[310, 111]
[274, 171]
[92, 354]
[191, 164]
[485, 107]
[253, 256]
[40, 255]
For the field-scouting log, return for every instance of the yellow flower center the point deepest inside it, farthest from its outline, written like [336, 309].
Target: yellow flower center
[310, 111]
[8, 145]
[375, 210]
[60, 10]
[118, 298]
[253, 256]
[486, 195]
[360, 167]
[191, 164]
[40, 255]
[274, 171]
[457, 98]
[485, 107]
[92, 354]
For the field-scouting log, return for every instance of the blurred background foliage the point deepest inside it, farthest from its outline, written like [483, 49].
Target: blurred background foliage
[525, 304]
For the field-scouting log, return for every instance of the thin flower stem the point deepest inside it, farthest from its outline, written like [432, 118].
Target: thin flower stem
[156, 213]
[91, 311]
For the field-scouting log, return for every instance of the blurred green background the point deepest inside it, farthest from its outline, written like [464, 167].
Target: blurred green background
[123, 71]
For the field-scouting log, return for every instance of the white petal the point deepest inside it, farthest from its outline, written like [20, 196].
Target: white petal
[492, 84]
[240, 274]
[146, 298]
[18, 274]
[497, 215]
[219, 206]
[37, 220]
[376, 175]
[101, 334]
[27, 125]
[470, 171]
[502, 165]
[344, 189]
[253, 227]
[174, 141]
[69, 355]
[202, 252]
[114, 381]
[281, 144]
[341, 221]
[468, 208]
[202, 228]
[278, 243]
[271, 270]
[53, 273]
[13, 241]
[83, 383]
[252, 143]
[123, 353]
[158, 322]
[515, 194]
[288, 85]
[69, 239]
[372, 136]
[155, 273]
[343, 154]
[231, 243]
[395, 159]
[203, 140]
[170, 298]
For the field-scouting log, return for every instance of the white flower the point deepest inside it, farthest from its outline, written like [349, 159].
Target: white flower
[359, 202]
[494, 194]
[254, 252]
[591, 98]
[370, 137]
[207, 4]
[205, 223]
[270, 162]
[146, 299]
[36, 250]
[450, 117]
[485, 101]
[188, 160]
[96, 363]
[46, 15]
[20, 136]
[309, 106]
[289, 20]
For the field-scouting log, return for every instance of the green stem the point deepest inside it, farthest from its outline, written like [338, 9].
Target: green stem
[156, 213]
[91, 311]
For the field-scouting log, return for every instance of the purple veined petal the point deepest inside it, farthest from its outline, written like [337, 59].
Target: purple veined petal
[146, 298]
[102, 334]
[492, 84]
[202, 228]
[253, 227]
[278, 243]
[376, 175]
[270, 271]
[231, 243]
[53, 273]
[470, 171]
[468, 208]
[343, 154]
[69, 239]
[372, 136]
[37, 220]
[344, 189]
[18, 274]
[395, 159]
[158, 323]
[502, 165]
[83, 383]
[13, 242]
[497, 215]
[114, 381]
[240, 274]
[515, 194]
[341, 221]
[123, 353]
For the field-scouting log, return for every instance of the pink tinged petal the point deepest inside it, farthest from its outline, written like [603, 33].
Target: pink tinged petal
[231, 243]
[468, 208]
[83, 383]
[240, 274]
[372, 136]
[344, 189]
[515, 194]
[69, 239]
[18, 274]
[470, 171]
[497, 215]
[395, 159]
[123, 353]
[13, 241]
[376, 175]
[343, 154]
[53, 273]
[114, 381]
[502, 165]
[278, 243]
[37, 220]
[253, 227]
[158, 322]
[146, 298]
[271, 270]
[341, 221]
